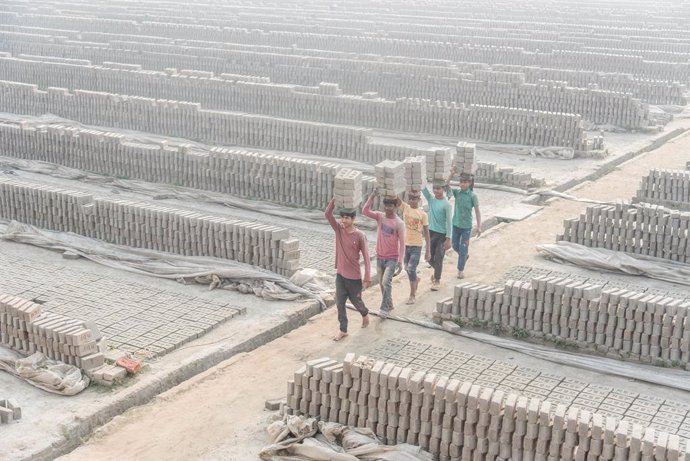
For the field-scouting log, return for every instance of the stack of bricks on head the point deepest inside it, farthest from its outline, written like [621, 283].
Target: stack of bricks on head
[25, 328]
[415, 173]
[438, 163]
[348, 188]
[456, 420]
[390, 178]
[465, 158]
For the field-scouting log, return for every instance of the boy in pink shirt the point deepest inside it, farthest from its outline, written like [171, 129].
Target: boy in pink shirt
[390, 247]
[350, 242]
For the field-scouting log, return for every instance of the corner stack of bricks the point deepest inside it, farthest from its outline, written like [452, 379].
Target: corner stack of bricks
[619, 322]
[670, 188]
[147, 225]
[458, 420]
[643, 229]
[27, 329]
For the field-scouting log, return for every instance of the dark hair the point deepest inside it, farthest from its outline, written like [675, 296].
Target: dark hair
[349, 214]
[390, 202]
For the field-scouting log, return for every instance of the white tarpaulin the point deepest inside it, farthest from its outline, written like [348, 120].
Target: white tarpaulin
[297, 438]
[40, 371]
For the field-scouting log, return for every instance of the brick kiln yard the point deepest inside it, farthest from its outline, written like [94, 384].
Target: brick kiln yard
[203, 129]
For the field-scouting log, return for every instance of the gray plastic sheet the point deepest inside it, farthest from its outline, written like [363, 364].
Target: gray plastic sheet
[616, 261]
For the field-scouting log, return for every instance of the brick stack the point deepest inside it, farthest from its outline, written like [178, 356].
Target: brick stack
[27, 329]
[348, 188]
[152, 226]
[415, 173]
[390, 178]
[438, 164]
[619, 322]
[465, 158]
[272, 177]
[670, 188]
[456, 420]
[491, 173]
[643, 229]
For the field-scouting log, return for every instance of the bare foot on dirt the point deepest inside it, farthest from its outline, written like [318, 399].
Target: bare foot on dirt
[365, 321]
[339, 336]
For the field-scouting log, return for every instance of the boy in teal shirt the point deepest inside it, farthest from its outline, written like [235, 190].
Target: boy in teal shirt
[440, 229]
[465, 201]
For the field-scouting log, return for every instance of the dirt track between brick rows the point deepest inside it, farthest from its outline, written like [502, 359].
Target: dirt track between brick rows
[219, 414]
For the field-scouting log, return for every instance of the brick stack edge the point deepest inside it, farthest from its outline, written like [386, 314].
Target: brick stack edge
[457, 420]
[25, 328]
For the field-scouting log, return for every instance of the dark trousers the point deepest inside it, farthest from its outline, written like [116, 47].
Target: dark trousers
[344, 289]
[437, 241]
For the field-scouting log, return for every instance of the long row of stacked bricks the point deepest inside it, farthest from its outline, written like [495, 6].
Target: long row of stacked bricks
[25, 327]
[457, 420]
[642, 229]
[326, 102]
[621, 323]
[148, 225]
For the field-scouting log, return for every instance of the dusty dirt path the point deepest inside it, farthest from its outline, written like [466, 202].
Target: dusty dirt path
[219, 414]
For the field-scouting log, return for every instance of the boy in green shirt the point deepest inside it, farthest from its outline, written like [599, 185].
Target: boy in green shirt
[465, 201]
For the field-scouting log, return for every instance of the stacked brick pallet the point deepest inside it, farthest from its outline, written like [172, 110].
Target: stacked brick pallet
[644, 229]
[666, 187]
[144, 225]
[619, 322]
[27, 329]
[326, 103]
[458, 420]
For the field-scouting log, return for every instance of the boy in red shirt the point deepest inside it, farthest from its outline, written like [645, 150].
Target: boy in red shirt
[350, 242]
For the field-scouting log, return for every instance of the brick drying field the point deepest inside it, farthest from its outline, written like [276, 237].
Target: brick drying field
[256, 114]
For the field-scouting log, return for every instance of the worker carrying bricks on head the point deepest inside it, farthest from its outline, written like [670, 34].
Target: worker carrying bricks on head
[390, 247]
[465, 201]
[440, 228]
[350, 242]
[416, 232]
